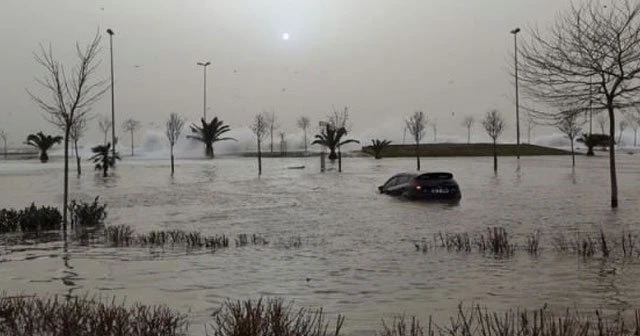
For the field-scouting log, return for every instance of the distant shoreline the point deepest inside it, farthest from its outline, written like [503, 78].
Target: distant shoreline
[474, 149]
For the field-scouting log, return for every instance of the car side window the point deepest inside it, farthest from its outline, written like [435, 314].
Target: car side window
[392, 182]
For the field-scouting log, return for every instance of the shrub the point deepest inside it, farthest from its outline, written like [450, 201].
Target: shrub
[87, 215]
[29, 315]
[8, 220]
[270, 318]
[34, 219]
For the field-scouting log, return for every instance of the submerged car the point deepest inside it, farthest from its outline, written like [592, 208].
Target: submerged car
[438, 186]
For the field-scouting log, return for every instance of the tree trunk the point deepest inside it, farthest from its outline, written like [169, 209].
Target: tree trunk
[612, 155]
[43, 156]
[495, 156]
[332, 154]
[259, 159]
[105, 170]
[172, 170]
[305, 141]
[339, 161]
[208, 150]
[468, 135]
[635, 138]
[271, 143]
[131, 142]
[573, 154]
[65, 197]
[78, 167]
[418, 155]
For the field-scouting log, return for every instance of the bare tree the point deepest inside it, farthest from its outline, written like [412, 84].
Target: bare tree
[174, 126]
[415, 125]
[260, 127]
[531, 124]
[468, 122]
[283, 143]
[131, 125]
[494, 124]
[70, 96]
[634, 121]
[340, 118]
[272, 125]
[104, 124]
[601, 120]
[304, 122]
[592, 51]
[571, 127]
[622, 125]
[77, 132]
[3, 136]
[339, 121]
[434, 127]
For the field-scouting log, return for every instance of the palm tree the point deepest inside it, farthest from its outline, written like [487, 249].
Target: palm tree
[331, 138]
[209, 134]
[43, 143]
[378, 146]
[104, 158]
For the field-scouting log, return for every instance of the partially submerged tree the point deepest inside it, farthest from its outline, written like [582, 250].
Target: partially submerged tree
[259, 128]
[173, 130]
[571, 127]
[209, 134]
[70, 96]
[592, 51]
[594, 140]
[331, 138]
[415, 125]
[77, 132]
[43, 143]
[494, 124]
[339, 120]
[104, 158]
[104, 124]
[304, 122]
[3, 136]
[378, 146]
[272, 123]
[468, 122]
[131, 125]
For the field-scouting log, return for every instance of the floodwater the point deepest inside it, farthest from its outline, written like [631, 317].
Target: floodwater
[357, 256]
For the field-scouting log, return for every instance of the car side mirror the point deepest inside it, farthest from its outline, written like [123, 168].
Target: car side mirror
[381, 188]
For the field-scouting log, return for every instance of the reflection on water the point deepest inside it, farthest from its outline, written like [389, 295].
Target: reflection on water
[358, 255]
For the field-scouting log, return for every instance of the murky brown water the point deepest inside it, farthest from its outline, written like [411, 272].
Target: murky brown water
[357, 245]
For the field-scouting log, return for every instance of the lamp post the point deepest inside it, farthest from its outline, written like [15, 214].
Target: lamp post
[113, 113]
[515, 56]
[204, 108]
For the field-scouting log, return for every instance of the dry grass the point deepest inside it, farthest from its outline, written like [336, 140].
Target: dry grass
[31, 316]
[124, 236]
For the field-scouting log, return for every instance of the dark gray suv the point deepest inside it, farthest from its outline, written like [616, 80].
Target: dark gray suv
[438, 186]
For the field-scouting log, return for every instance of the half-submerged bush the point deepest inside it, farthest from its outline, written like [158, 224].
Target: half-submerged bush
[123, 236]
[30, 315]
[30, 220]
[87, 215]
[271, 318]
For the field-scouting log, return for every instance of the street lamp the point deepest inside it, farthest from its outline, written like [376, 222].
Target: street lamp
[515, 56]
[204, 108]
[113, 113]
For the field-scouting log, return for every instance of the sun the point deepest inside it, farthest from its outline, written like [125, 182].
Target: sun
[285, 36]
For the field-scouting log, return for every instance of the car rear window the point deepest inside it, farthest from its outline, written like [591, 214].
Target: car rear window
[435, 176]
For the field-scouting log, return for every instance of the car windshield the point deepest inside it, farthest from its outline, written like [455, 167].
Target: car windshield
[435, 176]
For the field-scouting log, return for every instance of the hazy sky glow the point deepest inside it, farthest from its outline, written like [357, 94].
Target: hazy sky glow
[382, 58]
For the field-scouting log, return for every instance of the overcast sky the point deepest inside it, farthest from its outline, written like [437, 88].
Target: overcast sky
[382, 58]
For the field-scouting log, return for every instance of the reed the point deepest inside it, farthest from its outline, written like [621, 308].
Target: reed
[32, 315]
[270, 317]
